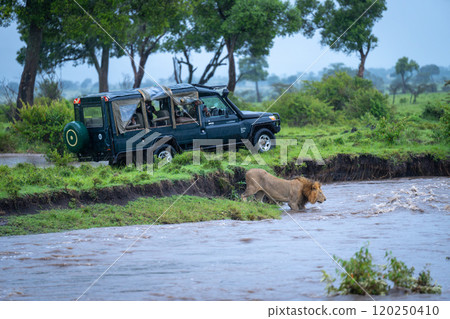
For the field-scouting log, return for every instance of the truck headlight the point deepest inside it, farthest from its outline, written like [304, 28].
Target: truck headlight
[273, 118]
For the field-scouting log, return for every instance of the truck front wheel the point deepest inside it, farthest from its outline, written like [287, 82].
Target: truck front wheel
[264, 140]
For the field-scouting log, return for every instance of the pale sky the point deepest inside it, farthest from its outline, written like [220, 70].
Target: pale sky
[417, 29]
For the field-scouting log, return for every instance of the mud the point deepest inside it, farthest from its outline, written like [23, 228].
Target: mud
[340, 168]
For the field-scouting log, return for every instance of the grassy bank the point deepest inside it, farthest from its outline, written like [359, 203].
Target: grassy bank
[167, 210]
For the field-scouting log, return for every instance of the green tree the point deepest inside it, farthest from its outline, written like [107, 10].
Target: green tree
[254, 69]
[34, 18]
[95, 43]
[334, 18]
[189, 37]
[428, 71]
[394, 87]
[405, 68]
[247, 26]
[150, 22]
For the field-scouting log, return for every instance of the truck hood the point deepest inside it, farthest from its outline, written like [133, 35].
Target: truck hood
[254, 115]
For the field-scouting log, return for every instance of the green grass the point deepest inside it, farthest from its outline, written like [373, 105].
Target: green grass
[168, 210]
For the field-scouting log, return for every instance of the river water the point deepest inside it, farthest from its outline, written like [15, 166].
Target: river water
[234, 260]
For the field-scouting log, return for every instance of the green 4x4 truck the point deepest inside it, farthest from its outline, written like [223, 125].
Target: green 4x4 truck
[116, 126]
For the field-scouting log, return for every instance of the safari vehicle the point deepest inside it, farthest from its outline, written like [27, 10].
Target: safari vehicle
[166, 120]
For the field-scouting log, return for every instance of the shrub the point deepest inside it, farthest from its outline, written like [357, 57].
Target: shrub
[6, 142]
[389, 131]
[367, 100]
[302, 109]
[360, 272]
[442, 131]
[337, 89]
[433, 110]
[45, 122]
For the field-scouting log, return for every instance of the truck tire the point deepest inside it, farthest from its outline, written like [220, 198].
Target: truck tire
[76, 136]
[265, 140]
[165, 151]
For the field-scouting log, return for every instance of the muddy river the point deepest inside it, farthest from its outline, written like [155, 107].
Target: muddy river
[233, 260]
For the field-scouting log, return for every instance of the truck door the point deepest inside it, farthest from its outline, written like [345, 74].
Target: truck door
[221, 122]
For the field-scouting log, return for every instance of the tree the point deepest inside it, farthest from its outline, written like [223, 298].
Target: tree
[34, 19]
[253, 69]
[95, 40]
[190, 37]
[405, 68]
[150, 22]
[334, 18]
[247, 26]
[393, 88]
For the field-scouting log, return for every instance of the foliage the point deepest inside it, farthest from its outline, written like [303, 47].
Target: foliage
[337, 89]
[247, 26]
[300, 109]
[389, 131]
[368, 100]
[405, 68]
[434, 110]
[50, 88]
[150, 22]
[6, 142]
[253, 69]
[334, 18]
[398, 272]
[45, 122]
[442, 131]
[360, 275]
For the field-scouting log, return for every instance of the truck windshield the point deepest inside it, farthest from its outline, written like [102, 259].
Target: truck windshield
[93, 116]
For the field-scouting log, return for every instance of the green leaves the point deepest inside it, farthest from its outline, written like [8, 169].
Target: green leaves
[361, 275]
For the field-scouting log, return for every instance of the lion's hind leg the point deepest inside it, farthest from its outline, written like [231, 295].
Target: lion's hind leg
[260, 196]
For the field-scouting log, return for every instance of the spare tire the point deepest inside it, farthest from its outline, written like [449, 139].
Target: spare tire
[76, 136]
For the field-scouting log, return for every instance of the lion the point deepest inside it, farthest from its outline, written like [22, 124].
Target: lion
[296, 192]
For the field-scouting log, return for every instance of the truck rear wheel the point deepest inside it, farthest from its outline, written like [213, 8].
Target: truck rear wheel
[165, 151]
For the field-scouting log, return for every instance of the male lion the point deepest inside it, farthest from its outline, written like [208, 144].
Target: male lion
[296, 192]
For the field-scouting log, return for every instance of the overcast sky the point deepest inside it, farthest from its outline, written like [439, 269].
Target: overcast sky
[417, 29]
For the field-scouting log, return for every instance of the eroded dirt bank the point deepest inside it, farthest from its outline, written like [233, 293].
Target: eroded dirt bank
[340, 168]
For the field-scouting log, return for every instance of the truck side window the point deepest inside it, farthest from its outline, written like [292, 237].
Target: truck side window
[161, 114]
[215, 106]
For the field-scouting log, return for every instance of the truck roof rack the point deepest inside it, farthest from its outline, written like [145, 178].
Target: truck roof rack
[211, 87]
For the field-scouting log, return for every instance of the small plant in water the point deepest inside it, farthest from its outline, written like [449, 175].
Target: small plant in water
[362, 275]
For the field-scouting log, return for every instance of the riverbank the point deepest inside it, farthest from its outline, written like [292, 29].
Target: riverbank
[226, 183]
[143, 211]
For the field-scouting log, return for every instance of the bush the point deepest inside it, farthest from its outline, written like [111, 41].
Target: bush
[337, 89]
[6, 142]
[302, 109]
[45, 122]
[433, 110]
[362, 275]
[360, 270]
[367, 100]
[442, 131]
[389, 131]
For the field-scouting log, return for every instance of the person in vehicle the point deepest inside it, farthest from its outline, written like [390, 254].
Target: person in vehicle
[204, 109]
[150, 111]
